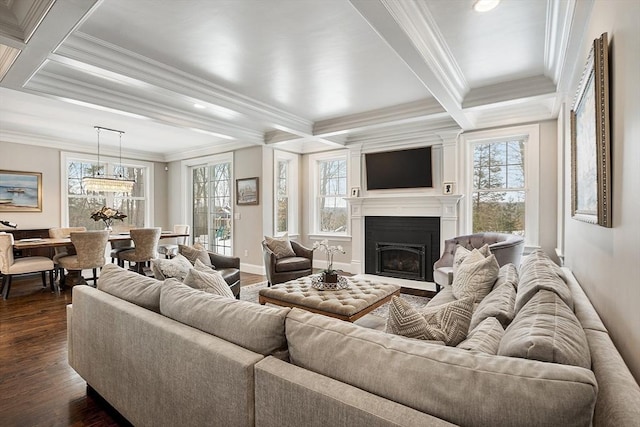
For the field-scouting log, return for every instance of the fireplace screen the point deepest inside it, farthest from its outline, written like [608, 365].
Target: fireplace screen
[402, 260]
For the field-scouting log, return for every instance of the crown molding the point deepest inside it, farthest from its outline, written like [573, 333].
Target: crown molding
[34, 16]
[203, 151]
[28, 138]
[558, 29]
[398, 114]
[95, 56]
[405, 136]
[509, 91]
[8, 56]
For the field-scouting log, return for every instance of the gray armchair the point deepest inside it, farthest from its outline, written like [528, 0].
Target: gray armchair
[289, 268]
[506, 247]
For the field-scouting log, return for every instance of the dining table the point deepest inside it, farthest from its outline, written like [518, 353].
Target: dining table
[74, 277]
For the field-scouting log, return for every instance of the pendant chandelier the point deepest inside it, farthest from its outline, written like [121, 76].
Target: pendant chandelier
[100, 183]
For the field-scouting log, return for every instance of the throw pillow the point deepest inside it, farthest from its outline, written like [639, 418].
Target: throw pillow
[192, 254]
[484, 338]
[475, 276]
[546, 329]
[280, 246]
[462, 253]
[211, 282]
[448, 323]
[500, 303]
[177, 267]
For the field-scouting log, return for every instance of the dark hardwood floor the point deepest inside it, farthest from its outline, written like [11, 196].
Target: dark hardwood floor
[37, 385]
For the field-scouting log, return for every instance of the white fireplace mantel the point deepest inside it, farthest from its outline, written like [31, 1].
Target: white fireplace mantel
[404, 204]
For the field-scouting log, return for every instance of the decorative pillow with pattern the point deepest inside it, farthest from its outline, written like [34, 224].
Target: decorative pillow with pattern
[448, 323]
[280, 246]
[484, 338]
[211, 282]
[462, 252]
[192, 254]
[177, 267]
[475, 276]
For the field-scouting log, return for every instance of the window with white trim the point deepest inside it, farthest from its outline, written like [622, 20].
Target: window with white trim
[80, 203]
[285, 193]
[503, 193]
[331, 210]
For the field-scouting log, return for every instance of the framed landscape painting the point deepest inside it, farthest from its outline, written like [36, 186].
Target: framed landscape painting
[590, 141]
[247, 191]
[20, 191]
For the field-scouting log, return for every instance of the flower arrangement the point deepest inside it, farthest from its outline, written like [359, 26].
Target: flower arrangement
[330, 251]
[107, 215]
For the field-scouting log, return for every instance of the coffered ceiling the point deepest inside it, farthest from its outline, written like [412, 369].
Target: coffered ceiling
[195, 77]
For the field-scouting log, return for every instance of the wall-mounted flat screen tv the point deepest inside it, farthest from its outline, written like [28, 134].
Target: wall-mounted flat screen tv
[399, 169]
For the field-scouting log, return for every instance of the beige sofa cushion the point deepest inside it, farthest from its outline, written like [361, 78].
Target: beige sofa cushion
[252, 326]
[508, 274]
[484, 338]
[130, 286]
[211, 282]
[537, 272]
[546, 329]
[475, 276]
[458, 386]
[176, 267]
[500, 303]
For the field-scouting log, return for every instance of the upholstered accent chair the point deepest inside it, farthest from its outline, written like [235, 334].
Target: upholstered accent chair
[10, 266]
[145, 241]
[170, 250]
[506, 247]
[280, 270]
[60, 251]
[90, 247]
[229, 267]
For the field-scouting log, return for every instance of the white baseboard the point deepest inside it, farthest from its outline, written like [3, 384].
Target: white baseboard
[252, 268]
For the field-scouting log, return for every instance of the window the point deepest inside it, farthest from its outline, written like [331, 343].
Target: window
[498, 197]
[80, 203]
[212, 203]
[285, 193]
[502, 189]
[331, 213]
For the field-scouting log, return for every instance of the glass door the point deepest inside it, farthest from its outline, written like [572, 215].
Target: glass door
[212, 195]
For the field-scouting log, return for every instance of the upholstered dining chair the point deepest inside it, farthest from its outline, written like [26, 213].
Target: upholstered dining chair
[10, 266]
[145, 241]
[507, 248]
[170, 250]
[90, 247]
[60, 251]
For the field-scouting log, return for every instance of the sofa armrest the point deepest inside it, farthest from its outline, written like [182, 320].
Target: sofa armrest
[224, 261]
[302, 251]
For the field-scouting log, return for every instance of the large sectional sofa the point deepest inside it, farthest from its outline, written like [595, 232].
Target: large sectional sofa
[164, 354]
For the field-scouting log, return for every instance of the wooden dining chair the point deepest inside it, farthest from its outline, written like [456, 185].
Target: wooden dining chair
[90, 247]
[10, 266]
[145, 242]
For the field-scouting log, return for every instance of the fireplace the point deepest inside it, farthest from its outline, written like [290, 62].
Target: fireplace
[402, 247]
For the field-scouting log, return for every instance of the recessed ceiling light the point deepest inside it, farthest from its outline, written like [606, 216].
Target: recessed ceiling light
[199, 106]
[485, 5]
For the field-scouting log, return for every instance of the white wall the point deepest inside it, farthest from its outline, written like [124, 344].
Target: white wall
[606, 261]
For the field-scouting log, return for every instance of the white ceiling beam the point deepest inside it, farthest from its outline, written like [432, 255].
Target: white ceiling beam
[526, 88]
[410, 31]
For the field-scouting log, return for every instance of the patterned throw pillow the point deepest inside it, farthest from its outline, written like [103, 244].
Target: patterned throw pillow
[475, 276]
[448, 322]
[484, 338]
[177, 267]
[192, 254]
[280, 246]
[211, 282]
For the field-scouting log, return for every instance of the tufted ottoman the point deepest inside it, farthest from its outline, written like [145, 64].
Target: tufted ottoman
[362, 297]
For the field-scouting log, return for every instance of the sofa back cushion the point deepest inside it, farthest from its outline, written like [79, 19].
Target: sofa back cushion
[252, 326]
[449, 383]
[546, 329]
[130, 286]
[537, 272]
[500, 303]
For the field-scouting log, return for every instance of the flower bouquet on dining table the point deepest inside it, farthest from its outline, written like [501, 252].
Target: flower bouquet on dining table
[107, 215]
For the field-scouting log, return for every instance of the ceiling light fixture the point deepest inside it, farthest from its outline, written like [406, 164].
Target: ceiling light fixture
[102, 183]
[485, 5]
